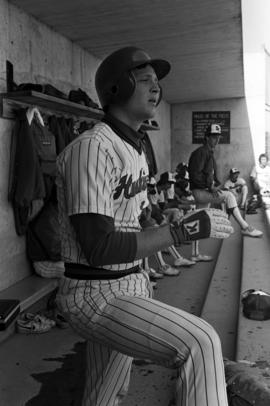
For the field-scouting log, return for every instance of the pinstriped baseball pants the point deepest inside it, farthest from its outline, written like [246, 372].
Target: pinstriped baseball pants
[120, 320]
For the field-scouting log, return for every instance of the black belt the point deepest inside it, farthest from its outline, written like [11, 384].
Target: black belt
[85, 272]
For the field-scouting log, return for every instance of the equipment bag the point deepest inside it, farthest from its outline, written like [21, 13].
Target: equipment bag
[246, 385]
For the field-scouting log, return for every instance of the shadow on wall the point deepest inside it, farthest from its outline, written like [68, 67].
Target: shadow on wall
[65, 385]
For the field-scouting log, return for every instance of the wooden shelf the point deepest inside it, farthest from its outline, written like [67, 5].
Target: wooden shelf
[14, 100]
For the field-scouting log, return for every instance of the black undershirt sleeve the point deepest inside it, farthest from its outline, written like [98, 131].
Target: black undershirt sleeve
[101, 244]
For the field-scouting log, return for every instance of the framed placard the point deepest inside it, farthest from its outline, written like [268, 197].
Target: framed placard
[201, 119]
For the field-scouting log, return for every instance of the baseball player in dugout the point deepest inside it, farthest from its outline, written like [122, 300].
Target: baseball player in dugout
[105, 293]
[204, 183]
[238, 187]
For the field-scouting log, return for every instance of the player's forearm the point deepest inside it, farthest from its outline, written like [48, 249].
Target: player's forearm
[119, 247]
[153, 240]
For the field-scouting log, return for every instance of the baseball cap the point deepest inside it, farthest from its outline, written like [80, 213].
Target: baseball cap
[166, 177]
[256, 304]
[182, 170]
[234, 170]
[213, 129]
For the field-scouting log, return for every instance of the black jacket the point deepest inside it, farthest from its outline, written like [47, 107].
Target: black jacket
[202, 169]
[32, 168]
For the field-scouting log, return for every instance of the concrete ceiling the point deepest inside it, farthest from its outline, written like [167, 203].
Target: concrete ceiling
[202, 39]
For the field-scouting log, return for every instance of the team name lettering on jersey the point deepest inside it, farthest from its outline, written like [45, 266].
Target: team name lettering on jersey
[130, 187]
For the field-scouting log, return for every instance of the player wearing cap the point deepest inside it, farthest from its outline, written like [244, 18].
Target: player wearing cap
[105, 294]
[206, 188]
[238, 187]
[166, 201]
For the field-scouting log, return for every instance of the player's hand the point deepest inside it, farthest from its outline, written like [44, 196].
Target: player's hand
[203, 223]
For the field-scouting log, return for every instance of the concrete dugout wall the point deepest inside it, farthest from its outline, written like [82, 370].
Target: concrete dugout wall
[40, 55]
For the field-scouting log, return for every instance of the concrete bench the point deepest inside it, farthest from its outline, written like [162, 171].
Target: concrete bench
[222, 298]
[29, 291]
[253, 343]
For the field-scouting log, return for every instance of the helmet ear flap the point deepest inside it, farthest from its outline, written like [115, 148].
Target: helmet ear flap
[124, 88]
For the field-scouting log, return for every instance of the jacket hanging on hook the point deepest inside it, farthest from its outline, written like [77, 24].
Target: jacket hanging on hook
[32, 171]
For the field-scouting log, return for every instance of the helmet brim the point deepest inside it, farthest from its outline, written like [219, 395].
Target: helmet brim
[160, 66]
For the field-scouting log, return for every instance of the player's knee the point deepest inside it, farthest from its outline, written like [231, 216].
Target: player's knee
[230, 200]
[207, 340]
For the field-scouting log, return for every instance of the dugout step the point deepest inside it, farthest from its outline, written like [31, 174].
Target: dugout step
[253, 344]
[221, 304]
[267, 214]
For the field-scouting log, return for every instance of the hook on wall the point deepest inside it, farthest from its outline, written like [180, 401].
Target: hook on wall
[10, 85]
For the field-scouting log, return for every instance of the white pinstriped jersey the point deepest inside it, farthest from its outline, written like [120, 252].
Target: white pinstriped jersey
[100, 173]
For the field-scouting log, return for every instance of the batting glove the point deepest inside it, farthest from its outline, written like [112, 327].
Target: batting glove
[203, 223]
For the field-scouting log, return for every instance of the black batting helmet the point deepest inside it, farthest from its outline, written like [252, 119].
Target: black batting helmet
[113, 80]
